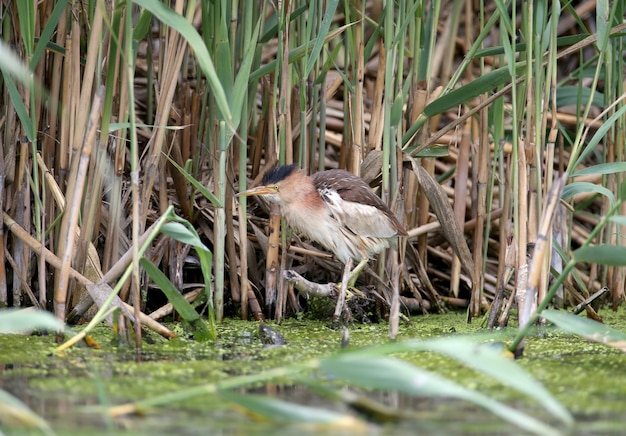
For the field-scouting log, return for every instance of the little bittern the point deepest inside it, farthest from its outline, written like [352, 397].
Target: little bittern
[335, 208]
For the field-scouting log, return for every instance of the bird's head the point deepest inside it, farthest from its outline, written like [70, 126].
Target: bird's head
[279, 185]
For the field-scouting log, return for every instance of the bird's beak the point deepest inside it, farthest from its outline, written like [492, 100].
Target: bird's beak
[259, 190]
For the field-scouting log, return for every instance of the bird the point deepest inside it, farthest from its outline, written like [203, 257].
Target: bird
[335, 208]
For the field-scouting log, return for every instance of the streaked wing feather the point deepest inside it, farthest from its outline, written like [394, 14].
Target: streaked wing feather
[352, 201]
[362, 219]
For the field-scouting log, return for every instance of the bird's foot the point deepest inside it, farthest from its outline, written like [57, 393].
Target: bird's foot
[352, 292]
[355, 273]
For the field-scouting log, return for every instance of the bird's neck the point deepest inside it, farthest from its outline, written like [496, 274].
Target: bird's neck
[303, 195]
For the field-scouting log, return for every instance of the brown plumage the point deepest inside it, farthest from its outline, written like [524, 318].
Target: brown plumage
[335, 208]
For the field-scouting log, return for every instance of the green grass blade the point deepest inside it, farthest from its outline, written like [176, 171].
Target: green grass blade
[599, 136]
[224, 66]
[390, 373]
[614, 255]
[48, 31]
[321, 36]
[196, 184]
[504, 16]
[586, 187]
[183, 231]
[589, 329]
[243, 77]
[270, 30]
[182, 234]
[274, 410]
[182, 306]
[482, 85]
[294, 55]
[492, 362]
[472, 352]
[143, 26]
[605, 168]
[563, 41]
[11, 68]
[26, 14]
[27, 320]
[573, 95]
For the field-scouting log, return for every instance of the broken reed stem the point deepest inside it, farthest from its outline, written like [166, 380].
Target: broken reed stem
[69, 223]
[53, 260]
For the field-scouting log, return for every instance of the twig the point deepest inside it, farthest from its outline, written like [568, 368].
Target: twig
[53, 260]
[310, 288]
[580, 307]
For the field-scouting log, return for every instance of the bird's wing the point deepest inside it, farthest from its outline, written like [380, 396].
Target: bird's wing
[352, 202]
[361, 219]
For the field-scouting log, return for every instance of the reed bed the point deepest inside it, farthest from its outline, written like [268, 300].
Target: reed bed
[494, 130]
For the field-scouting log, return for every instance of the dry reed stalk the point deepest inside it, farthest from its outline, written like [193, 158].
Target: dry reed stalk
[394, 309]
[375, 136]
[3, 274]
[481, 174]
[285, 128]
[422, 204]
[255, 307]
[231, 249]
[592, 283]
[573, 120]
[168, 308]
[460, 196]
[534, 210]
[578, 234]
[449, 226]
[357, 109]
[90, 266]
[50, 141]
[422, 275]
[282, 290]
[15, 196]
[83, 115]
[56, 262]
[23, 215]
[553, 258]
[69, 222]
[181, 186]
[506, 251]
[272, 260]
[26, 289]
[435, 138]
[567, 22]
[171, 62]
[243, 261]
[91, 212]
[70, 94]
[528, 301]
[438, 253]
[520, 216]
[114, 230]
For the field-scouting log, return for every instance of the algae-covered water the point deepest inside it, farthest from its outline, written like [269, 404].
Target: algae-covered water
[71, 390]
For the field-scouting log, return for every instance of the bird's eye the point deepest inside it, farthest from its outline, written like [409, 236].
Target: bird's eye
[275, 188]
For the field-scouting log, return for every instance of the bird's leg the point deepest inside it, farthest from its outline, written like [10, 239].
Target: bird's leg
[341, 298]
[350, 277]
[356, 272]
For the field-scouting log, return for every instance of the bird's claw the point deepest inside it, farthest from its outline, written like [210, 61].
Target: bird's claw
[353, 291]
